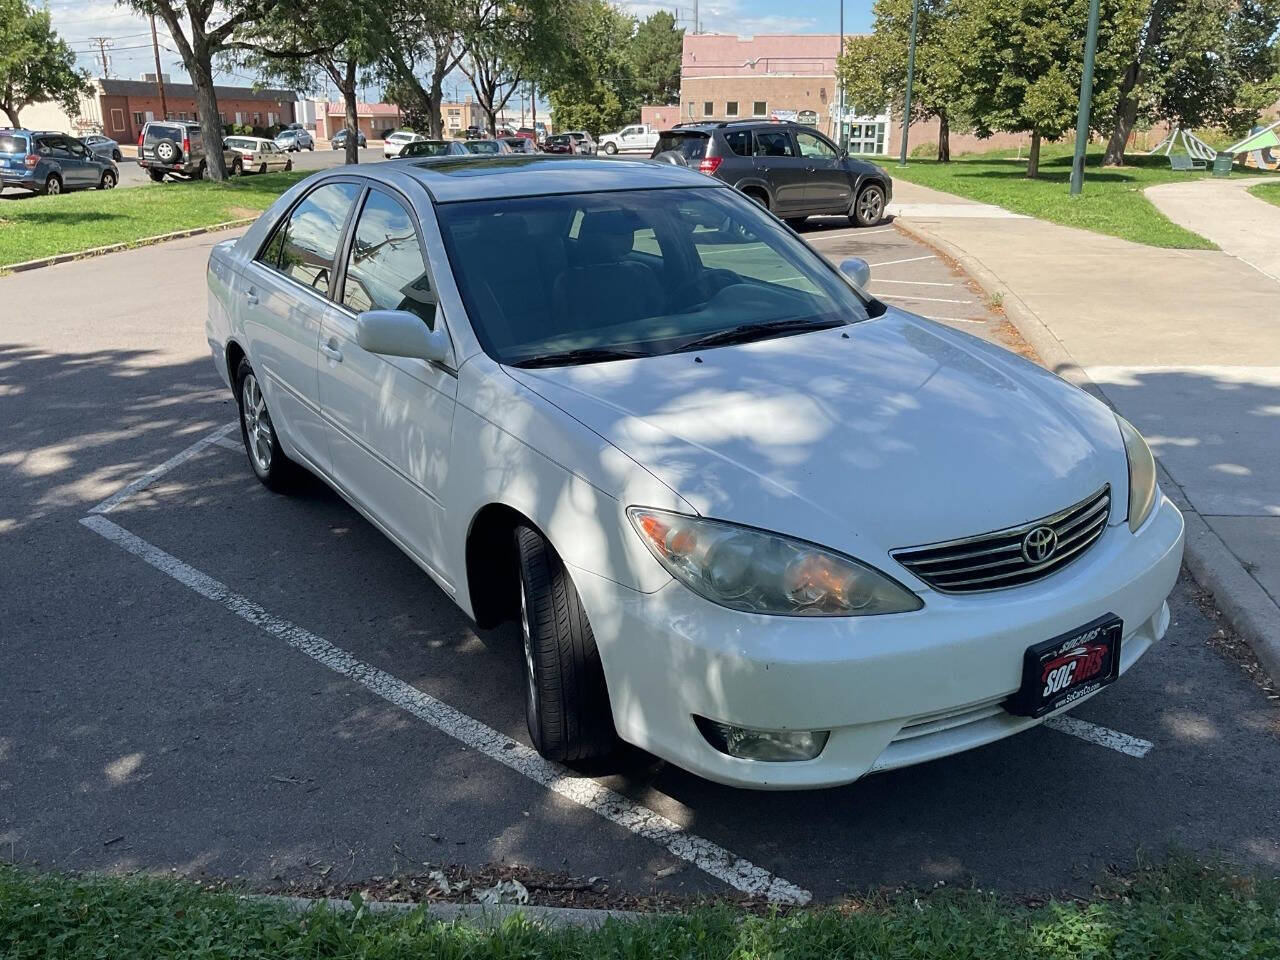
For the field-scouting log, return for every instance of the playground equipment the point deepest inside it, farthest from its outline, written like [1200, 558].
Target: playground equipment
[1259, 148]
[1196, 148]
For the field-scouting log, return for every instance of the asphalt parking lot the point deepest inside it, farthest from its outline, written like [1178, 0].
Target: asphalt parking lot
[203, 677]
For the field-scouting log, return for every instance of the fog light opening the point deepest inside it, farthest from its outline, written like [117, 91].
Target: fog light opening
[776, 746]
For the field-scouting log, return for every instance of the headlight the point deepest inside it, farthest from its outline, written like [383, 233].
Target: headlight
[1142, 474]
[748, 569]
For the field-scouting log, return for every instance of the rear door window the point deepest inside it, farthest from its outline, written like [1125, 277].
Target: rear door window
[739, 142]
[304, 248]
[773, 143]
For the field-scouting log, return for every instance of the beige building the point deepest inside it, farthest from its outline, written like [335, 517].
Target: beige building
[458, 116]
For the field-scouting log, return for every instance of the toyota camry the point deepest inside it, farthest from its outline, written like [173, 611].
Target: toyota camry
[748, 517]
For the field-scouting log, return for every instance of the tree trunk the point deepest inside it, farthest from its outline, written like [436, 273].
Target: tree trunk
[1127, 106]
[944, 137]
[201, 70]
[351, 118]
[1033, 156]
[435, 96]
[12, 113]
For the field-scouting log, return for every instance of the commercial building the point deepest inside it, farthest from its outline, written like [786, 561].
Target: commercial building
[119, 108]
[458, 116]
[372, 119]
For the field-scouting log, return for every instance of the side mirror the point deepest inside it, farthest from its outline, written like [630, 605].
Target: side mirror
[857, 270]
[399, 333]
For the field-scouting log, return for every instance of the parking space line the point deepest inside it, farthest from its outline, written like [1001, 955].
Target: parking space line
[899, 296]
[707, 856]
[889, 263]
[228, 444]
[1102, 736]
[915, 283]
[953, 319]
[155, 473]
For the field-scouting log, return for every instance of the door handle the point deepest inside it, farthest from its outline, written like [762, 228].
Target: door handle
[251, 295]
[331, 351]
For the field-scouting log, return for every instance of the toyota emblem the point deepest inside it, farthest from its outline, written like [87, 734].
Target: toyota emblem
[1038, 545]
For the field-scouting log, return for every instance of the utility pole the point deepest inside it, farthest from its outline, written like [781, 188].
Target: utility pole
[533, 104]
[155, 48]
[103, 43]
[1086, 101]
[841, 138]
[697, 28]
[911, 77]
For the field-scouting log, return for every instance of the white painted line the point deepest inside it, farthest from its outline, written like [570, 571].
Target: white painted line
[898, 296]
[844, 233]
[702, 853]
[889, 263]
[155, 473]
[952, 319]
[916, 283]
[228, 444]
[1102, 736]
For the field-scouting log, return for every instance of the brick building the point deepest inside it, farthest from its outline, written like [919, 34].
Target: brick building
[373, 119]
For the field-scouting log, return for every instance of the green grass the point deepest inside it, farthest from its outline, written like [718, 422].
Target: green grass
[1111, 203]
[1184, 912]
[33, 226]
[1269, 192]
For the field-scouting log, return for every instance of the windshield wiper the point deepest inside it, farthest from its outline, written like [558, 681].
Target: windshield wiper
[583, 355]
[756, 331]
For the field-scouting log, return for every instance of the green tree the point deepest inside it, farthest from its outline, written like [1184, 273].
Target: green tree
[1021, 62]
[655, 52]
[873, 67]
[1198, 63]
[35, 63]
[202, 30]
[421, 42]
[308, 44]
[590, 81]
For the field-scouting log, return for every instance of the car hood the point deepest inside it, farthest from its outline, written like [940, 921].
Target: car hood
[888, 433]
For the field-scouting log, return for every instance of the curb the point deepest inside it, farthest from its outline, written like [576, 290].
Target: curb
[1249, 608]
[125, 245]
[480, 914]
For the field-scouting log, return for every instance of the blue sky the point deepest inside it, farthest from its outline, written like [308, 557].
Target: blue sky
[130, 52]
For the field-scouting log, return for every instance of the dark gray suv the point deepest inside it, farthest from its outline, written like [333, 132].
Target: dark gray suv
[788, 167]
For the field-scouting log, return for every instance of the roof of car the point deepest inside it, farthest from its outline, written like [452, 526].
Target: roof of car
[453, 179]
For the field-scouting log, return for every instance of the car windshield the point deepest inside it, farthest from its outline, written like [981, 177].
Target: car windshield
[483, 146]
[12, 144]
[691, 146]
[158, 131]
[240, 143]
[638, 272]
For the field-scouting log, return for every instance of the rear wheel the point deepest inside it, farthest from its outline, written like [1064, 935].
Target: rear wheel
[288, 164]
[156, 175]
[276, 471]
[263, 168]
[566, 700]
[795, 223]
[759, 196]
[237, 167]
[53, 186]
[868, 209]
[116, 156]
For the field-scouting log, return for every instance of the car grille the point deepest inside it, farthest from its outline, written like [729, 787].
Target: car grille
[995, 560]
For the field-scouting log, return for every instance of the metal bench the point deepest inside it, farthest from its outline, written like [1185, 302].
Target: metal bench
[1178, 161]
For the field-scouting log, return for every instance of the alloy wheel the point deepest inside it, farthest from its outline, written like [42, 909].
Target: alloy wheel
[257, 423]
[53, 186]
[870, 205]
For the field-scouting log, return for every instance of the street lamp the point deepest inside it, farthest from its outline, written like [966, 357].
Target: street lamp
[1086, 101]
[911, 76]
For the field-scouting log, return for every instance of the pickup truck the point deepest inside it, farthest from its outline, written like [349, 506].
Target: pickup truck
[633, 139]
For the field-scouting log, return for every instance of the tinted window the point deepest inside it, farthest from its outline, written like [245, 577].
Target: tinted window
[773, 143]
[160, 131]
[739, 142]
[483, 146]
[12, 144]
[673, 265]
[691, 146]
[312, 234]
[386, 269]
[812, 145]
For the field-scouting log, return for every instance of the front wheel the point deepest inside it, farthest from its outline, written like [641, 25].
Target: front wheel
[611, 148]
[270, 465]
[868, 209]
[117, 156]
[108, 180]
[566, 700]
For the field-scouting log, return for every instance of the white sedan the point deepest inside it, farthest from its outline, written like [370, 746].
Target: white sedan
[748, 517]
[395, 142]
[255, 155]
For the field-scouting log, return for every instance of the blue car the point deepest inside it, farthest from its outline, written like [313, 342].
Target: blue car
[50, 163]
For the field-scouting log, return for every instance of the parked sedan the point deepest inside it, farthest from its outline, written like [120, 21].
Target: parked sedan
[560, 143]
[101, 146]
[520, 144]
[486, 148]
[51, 163]
[432, 148]
[294, 139]
[339, 141]
[748, 518]
[394, 142]
[256, 154]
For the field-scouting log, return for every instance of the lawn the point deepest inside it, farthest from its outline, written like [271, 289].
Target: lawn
[1185, 912]
[1269, 192]
[32, 227]
[1111, 203]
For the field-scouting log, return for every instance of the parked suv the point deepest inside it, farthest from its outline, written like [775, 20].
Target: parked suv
[790, 168]
[173, 147]
[49, 162]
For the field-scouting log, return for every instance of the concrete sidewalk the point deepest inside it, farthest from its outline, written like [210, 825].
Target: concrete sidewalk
[1184, 343]
[1226, 213]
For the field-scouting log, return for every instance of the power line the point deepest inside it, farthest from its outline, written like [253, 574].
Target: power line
[102, 44]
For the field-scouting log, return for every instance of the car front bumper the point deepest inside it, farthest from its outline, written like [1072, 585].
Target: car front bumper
[893, 690]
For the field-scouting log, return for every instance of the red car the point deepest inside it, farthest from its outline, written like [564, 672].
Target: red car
[560, 143]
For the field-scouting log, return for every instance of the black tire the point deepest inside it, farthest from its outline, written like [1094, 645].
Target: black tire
[611, 148]
[288, 165]
[868, 209]
[267, 460]
[108, 181]
[311, 146]
[116, 156]
[263, 168]
[157, 176]
[52, 186]
[237, 167]
[758, 195]
[566, 700]
[795, 223]
[168, 151]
